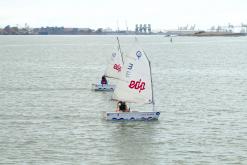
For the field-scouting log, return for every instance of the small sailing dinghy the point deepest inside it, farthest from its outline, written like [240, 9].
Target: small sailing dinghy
[112, 71]
[134, 86]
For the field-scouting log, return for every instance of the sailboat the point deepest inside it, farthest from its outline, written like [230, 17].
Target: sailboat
[113, 70]
[134, 86]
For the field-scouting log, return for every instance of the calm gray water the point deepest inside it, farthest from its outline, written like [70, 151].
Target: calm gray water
[49, 115]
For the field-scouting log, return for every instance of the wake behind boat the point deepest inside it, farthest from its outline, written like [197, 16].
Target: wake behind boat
[134, 86]
[112, 71]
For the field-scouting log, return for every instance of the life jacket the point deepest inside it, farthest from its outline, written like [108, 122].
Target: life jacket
[103, 81]
[122, 107]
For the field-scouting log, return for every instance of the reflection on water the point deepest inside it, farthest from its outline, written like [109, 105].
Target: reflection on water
[133, 141]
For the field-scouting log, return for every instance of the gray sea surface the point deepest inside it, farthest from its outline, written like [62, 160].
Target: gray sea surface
[50, 115]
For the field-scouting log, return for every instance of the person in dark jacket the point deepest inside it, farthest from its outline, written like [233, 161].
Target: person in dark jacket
[103, 80]
[122, 107]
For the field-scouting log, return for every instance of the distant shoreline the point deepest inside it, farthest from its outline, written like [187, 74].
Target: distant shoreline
[165, 34]
[207, 34]
[15, 30]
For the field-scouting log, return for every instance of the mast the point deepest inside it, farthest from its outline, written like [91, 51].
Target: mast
[152, 84]
[119, 48]
[150, 69]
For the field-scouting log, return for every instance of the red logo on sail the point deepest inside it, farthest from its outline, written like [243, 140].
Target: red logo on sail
[139, 85]
[117, 67]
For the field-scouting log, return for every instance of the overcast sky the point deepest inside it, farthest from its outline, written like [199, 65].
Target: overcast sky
[161, 14]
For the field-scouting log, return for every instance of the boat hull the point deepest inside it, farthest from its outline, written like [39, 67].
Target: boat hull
[104, 87]
[131, 115]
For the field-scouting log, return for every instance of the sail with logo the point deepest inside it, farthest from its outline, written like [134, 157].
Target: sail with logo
[136, 82]
[115, 64]
[135, 86]
[113, 71]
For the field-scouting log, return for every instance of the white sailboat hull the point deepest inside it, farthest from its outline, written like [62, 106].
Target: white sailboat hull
[104, 87]
[131, 115]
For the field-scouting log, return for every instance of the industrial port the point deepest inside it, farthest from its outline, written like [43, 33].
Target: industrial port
[139, 29]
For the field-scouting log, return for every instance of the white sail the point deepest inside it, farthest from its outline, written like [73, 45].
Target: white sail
[115, 65]
[136, 81]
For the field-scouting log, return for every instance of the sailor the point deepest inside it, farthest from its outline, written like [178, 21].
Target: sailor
[122, 107]
[103, 80]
